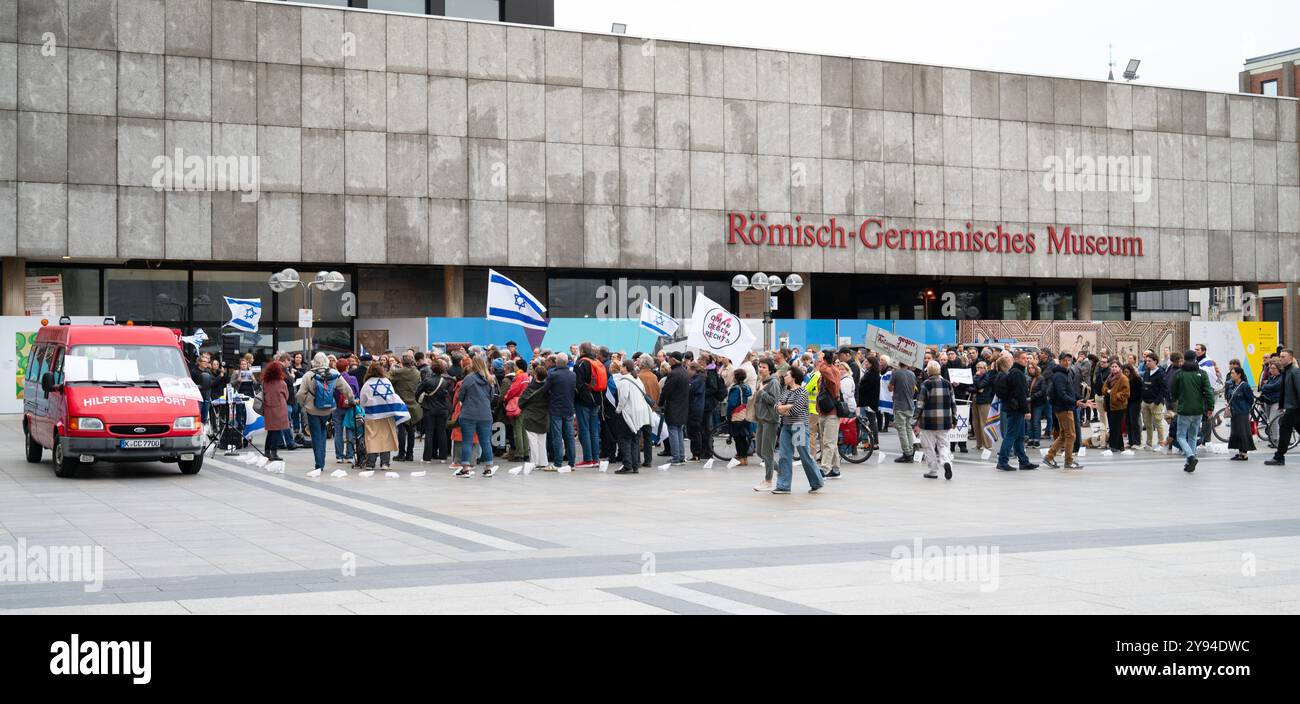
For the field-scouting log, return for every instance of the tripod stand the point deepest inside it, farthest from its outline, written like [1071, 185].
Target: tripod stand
[224, 433]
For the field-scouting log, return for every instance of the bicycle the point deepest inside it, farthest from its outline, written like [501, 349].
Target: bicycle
[1266, 429]
[864, 448]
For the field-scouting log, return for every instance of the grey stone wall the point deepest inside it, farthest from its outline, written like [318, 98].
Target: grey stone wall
[409, 140]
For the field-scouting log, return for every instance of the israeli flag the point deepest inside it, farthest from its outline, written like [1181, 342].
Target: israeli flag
[197, 339]
[657, 321]
[508, 302]
[245, 313]
[253, 422]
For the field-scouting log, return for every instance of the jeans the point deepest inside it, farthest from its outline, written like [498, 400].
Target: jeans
[469, 429]
[677, 442]
[1041, 412]
[295, 414]
[903, 423]
[318, 433]
[342, 437]
[794, 438]
[1013, 438]
[767, 436]
[561, 437]
[272, 443]
[589, 432]
[1188, 428]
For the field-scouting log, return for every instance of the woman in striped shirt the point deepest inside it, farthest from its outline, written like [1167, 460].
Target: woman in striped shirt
[793, 408]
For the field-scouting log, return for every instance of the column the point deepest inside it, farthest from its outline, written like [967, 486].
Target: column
[1083, 300]
[14, 293]
[1253, 314]
[803, 299]
[453, 291]
[1291, 309]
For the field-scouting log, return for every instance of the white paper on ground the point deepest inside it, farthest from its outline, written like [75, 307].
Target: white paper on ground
[1128, 453]
[514, 471]
[565, 470]
[1083, 452]
[880, 459]
[277, 467]
[664, 467]
[604, 465]
[261, 461]
[367, 474]
[709, 464]
[392, 475]
[1107, 453]
[528, 468]
[417, 475]
[986, 454]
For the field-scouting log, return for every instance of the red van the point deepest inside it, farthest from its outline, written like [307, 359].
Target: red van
[110, 394]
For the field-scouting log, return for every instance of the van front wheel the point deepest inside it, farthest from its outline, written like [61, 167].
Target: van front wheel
[63, 466]
[191, 466]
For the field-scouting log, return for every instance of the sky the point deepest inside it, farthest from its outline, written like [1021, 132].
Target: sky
[1196, 44]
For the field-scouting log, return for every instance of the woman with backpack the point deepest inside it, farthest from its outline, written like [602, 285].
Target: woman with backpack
[434, 396]
[316, 396]
[739, 396]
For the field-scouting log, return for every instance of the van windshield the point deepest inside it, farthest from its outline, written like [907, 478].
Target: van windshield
[123, 363]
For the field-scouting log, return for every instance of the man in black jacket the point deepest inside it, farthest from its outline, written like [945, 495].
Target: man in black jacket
[675, 404]
[868, 396]
[1013, 389]
[1064, 398]
[1289, 402]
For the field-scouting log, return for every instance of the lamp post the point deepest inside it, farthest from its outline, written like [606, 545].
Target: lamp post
[770, 286]
[283, 281]
[926, 295]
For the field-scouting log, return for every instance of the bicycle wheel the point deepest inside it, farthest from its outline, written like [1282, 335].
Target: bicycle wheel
[722, 444]
[1221, 426]
[860, 452]
[1262, 429]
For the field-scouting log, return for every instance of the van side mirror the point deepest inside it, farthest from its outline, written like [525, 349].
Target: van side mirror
[47, 382]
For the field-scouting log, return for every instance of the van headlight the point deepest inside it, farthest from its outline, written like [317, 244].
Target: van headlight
[85, 424]
[186, 423]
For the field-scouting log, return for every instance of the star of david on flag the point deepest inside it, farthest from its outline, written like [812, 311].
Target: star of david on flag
[657, 321]
[508, 302]
[245, 313]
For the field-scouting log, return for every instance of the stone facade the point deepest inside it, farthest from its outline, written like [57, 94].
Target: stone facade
[391, 139]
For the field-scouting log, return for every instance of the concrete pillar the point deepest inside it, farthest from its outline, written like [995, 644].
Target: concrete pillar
[1083, 300]
[453, 291]
[1243, 82]
[1287, 85]
[803, 299]
[1291, 308]
[13, 296]
[1253, 313]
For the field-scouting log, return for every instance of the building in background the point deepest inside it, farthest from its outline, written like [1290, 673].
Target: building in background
[1275, 75]
[432, 148]
[535, 12]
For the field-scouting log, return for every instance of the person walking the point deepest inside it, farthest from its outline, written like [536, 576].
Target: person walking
[275, 408]
[384, 412]
[936, 408]
[767, 419]
[739, 397]
[793, 409]
[561, 389]
[1192, 399]
[1289, 404]
[535, 415]
[902, 384]
[675, 403]
[1013, 389]
[1240, 400]
[633, 411]
[1063, 395]
[316, 394]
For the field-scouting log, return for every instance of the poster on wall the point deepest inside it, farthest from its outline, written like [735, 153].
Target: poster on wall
[374, 341]
[1080, 337]
[44, 296]
[1226, 341]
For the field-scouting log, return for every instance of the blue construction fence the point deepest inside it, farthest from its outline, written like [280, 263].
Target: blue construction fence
[629, 336]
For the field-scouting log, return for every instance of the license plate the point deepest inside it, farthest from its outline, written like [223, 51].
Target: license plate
[138, 444]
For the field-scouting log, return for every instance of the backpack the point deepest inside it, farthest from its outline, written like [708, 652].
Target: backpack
[826, 403]
[323, 400]
[340, 399]
[599, 376]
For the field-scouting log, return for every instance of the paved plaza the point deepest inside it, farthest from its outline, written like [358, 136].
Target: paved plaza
[1126, 535]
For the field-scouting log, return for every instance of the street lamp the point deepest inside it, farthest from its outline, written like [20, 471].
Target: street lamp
[770, 286]
[926, 296]
[284, 281]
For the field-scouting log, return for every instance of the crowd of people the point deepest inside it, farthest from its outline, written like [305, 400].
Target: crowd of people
[591, 407]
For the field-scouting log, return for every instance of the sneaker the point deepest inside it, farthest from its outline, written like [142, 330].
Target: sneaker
[490, 472]
[779, 490]
[1028, 467]
[550, 468]
[1191, 465]
[339, 460]
[947, 470]
[1073, 465]
[1275, 462]
[904, 459]
[586, 465]
[931, 475]
[454, 466]
[313, 474]
[464, 473]
[683, 464]
[628, 470]
[339, 473]
[1006, 468]
[763, 486]
[816, 489]
[1051, 463]
[833, 474]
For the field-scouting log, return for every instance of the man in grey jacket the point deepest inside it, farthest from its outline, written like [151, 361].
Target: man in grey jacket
[769, 421]
[903, 386]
